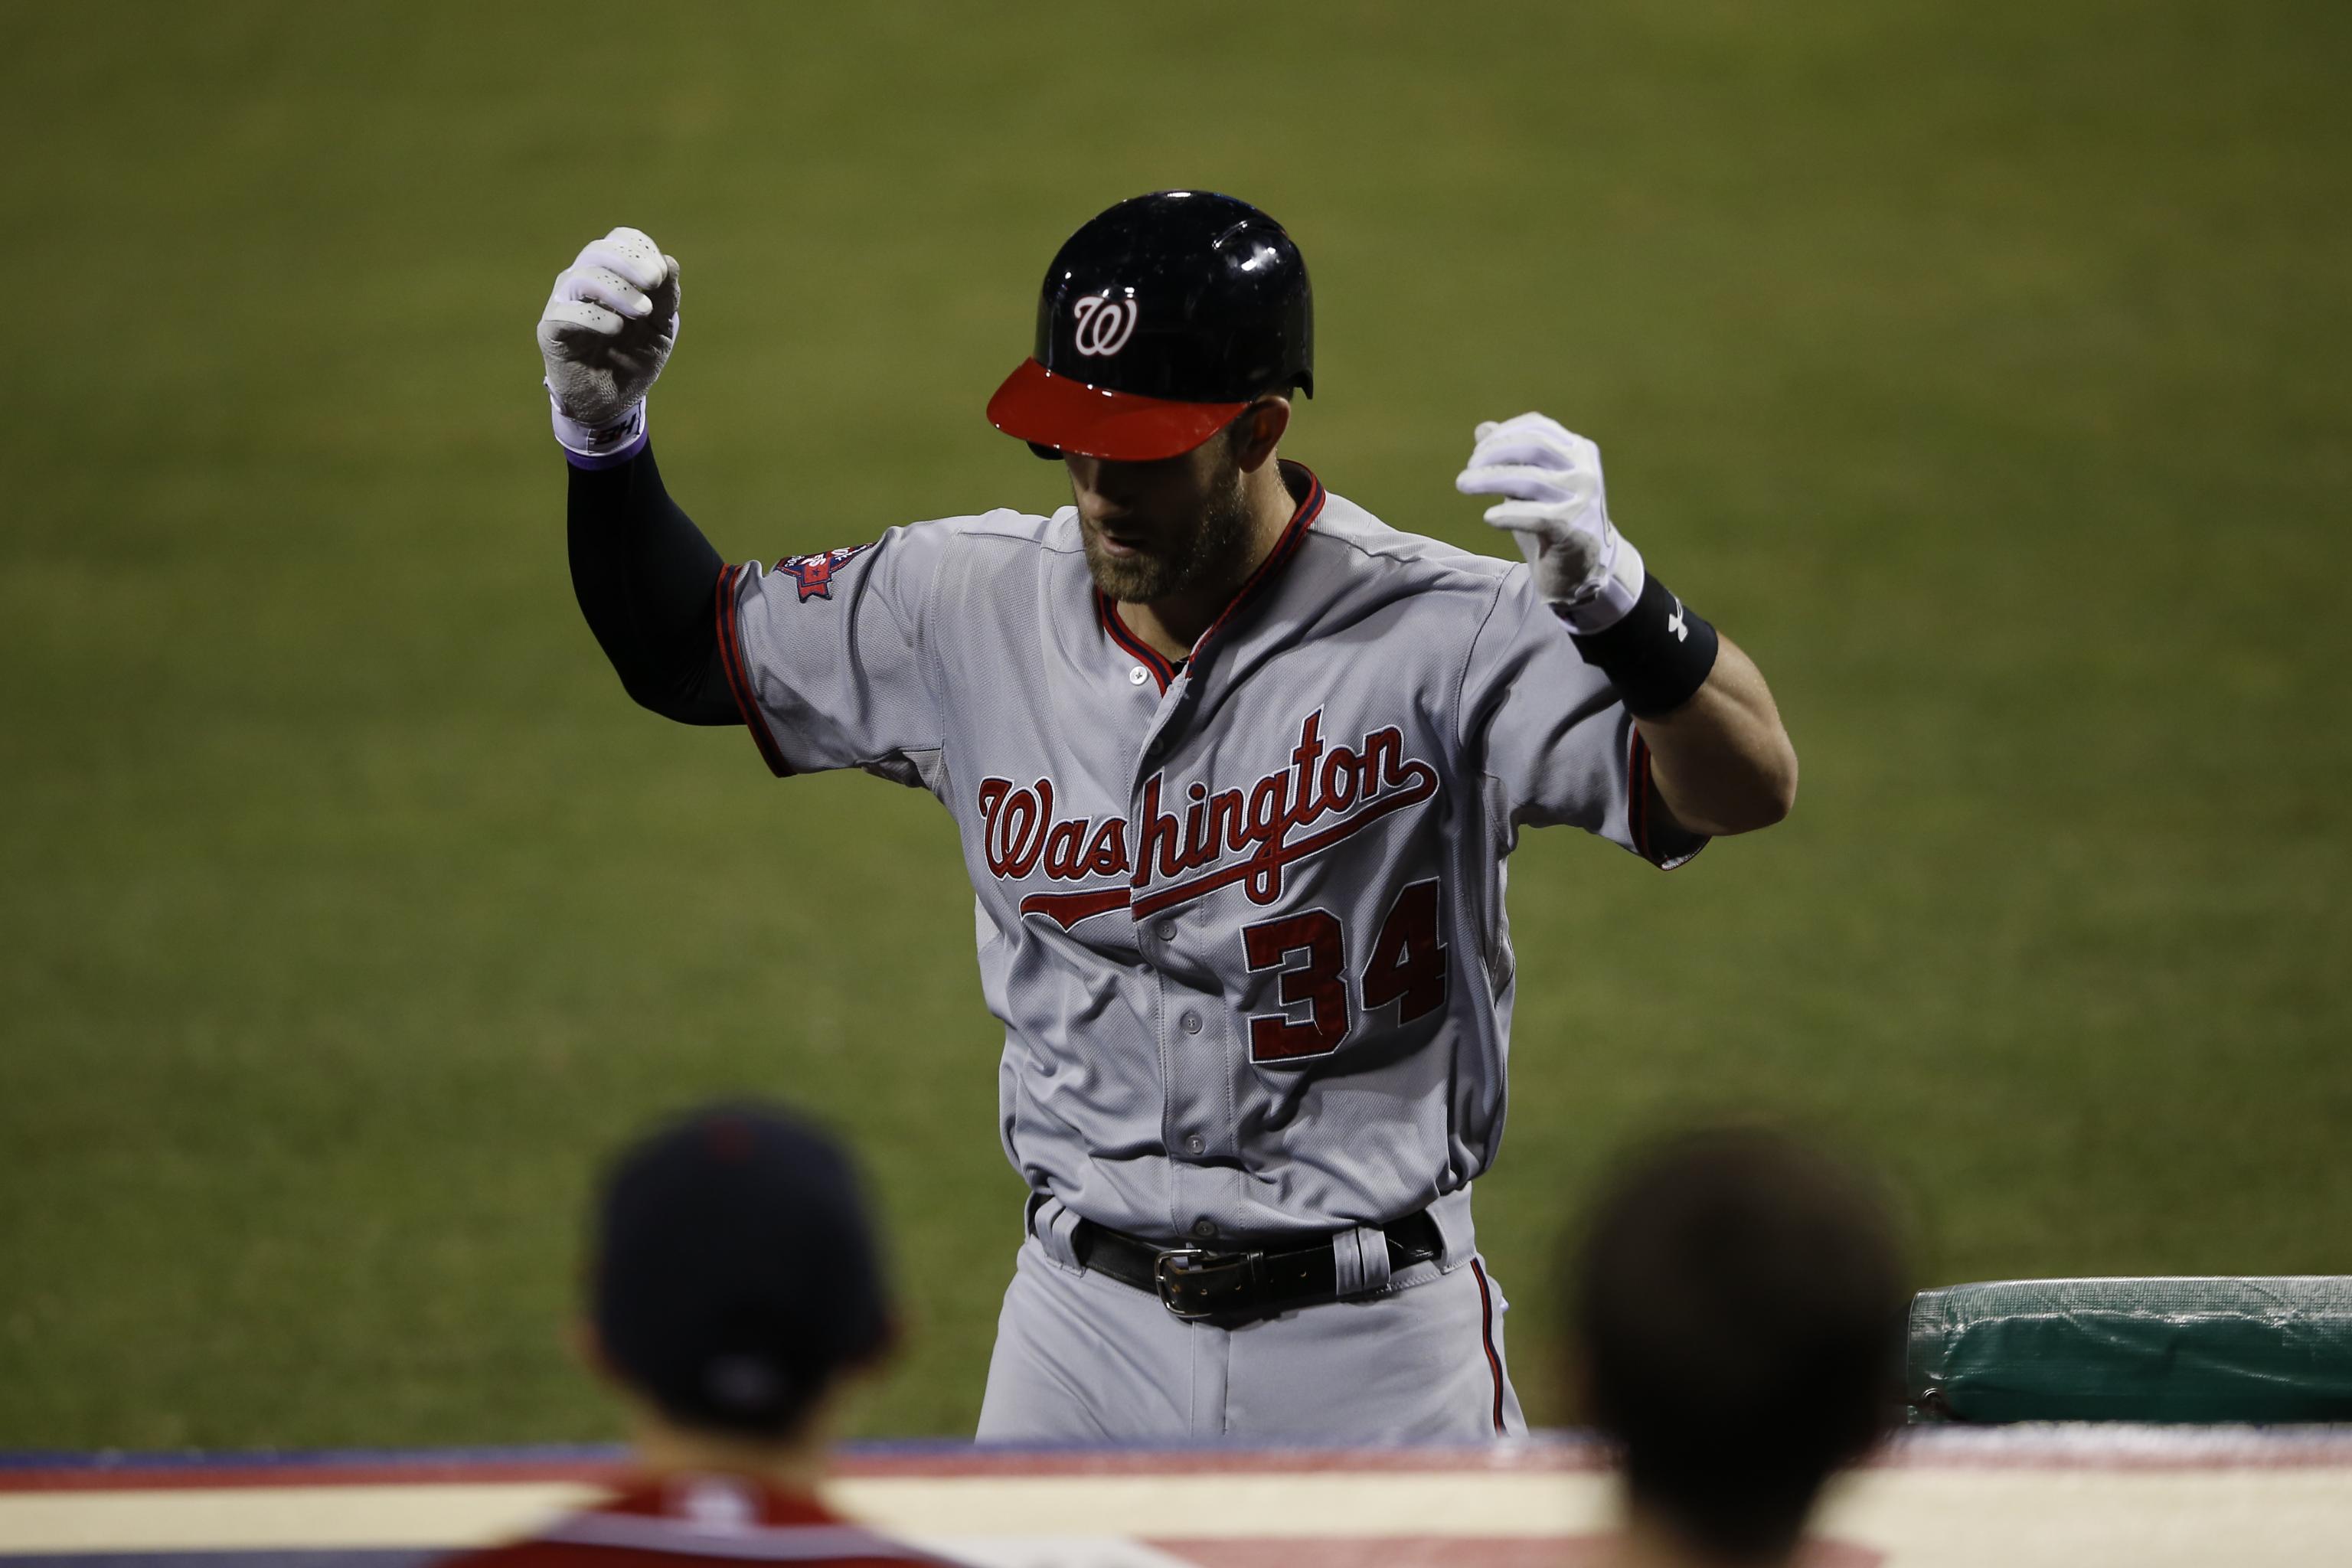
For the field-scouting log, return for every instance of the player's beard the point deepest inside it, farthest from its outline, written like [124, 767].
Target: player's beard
[1210, 557]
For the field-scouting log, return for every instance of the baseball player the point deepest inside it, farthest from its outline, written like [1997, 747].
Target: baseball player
[734, 1290]
[1236, 768]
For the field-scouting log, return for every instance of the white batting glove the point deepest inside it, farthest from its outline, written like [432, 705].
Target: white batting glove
[1559, 511]
[606, 332]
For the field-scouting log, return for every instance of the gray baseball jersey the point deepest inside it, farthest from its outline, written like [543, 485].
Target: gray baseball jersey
[1243, 920]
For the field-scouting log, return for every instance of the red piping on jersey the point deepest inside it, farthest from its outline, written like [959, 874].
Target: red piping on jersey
[1283, 549]
[1302, 518]
[1106, 610]
[1641, 802]
[731, 659]
[1486, 1336]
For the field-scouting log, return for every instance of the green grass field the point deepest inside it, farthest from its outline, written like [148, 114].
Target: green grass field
[1980, 366]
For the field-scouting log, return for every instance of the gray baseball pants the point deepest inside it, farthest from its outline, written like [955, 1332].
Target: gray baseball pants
[1081, 1358]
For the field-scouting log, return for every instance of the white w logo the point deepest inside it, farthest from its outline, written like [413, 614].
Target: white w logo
[1104, 324]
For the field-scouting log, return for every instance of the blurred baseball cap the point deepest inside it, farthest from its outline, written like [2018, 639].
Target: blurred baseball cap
[1159, 320]
[735, 1273]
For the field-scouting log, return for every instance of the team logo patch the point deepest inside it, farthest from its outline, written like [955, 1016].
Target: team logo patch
[814, 572]
[1104, 324]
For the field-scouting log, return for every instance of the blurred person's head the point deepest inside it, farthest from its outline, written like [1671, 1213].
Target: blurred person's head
[1737, 1303]
[734, 1283]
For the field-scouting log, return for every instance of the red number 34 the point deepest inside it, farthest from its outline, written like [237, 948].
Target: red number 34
[1407, 967]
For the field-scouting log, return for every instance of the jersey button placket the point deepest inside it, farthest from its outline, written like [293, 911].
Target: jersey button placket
[1190, 1024]
[1185, 1086]
[1175, 1103]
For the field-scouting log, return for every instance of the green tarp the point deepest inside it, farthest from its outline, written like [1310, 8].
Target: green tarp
[2189, 1350]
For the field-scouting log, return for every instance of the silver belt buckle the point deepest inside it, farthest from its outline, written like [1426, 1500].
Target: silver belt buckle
[1172, 1261]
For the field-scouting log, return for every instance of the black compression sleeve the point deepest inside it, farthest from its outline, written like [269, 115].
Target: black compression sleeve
[644, 577]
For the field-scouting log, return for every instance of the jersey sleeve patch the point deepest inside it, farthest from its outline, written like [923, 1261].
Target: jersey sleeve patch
[814, 573]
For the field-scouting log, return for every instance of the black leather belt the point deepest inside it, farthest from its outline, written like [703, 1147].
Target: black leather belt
[1201, 1282]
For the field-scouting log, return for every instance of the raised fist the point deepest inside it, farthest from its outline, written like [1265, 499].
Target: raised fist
[608, 329]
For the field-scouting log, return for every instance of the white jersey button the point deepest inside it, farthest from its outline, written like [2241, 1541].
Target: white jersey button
[1165, 930]
[1138, 676]
[1203, 1228]
[1191, 1022]
[1195, 1145]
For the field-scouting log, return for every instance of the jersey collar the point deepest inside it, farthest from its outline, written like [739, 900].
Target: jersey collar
[1307, 491]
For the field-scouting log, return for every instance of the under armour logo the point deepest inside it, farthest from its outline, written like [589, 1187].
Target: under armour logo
[1675, 624]
[1104, 324]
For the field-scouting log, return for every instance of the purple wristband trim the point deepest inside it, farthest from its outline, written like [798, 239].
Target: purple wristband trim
[612, 459]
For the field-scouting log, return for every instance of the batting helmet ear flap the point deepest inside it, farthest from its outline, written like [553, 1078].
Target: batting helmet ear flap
[1051, 454]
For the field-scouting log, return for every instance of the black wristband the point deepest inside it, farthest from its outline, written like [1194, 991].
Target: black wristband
[1657, 657]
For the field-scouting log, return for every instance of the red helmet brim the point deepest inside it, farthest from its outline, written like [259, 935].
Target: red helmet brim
[1052, 410]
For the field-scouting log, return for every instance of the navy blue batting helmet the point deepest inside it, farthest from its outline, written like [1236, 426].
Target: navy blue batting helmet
[1158, 321]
